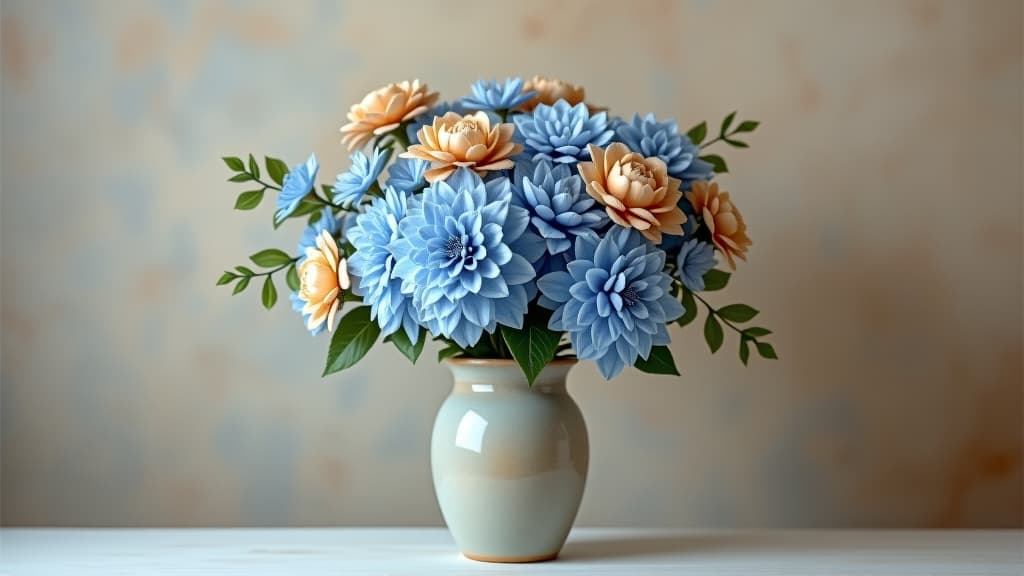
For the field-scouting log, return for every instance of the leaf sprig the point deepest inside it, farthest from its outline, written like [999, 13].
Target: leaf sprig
[729, 315]
[274, 261]
[726, 133]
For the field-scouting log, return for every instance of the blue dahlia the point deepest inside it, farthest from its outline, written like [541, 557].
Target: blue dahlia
[561, 132]
[326, 222]
[466, 256]
[297, 184]
[694, 260]
[613, 299]
[406, 174]
[350, 186]
[558, 203]
[662, 139]
[373, 265]
[496, 95]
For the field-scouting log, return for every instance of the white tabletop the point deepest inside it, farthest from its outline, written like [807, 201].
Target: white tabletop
[426, 551]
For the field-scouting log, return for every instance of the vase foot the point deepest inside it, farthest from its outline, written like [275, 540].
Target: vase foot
[511, 559]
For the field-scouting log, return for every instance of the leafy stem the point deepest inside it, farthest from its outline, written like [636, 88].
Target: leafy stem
[275, 270]
[713, 311]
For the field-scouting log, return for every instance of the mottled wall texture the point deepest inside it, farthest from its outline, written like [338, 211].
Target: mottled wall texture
[883, 192]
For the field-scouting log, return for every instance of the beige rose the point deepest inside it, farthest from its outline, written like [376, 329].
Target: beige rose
[382, 110]
[323, 276]
[724, 221]
[637, 192]
[469, 141]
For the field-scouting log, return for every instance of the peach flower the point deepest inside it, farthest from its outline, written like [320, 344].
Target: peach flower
[323, 276]
[728, 231]
[551, 90]
[637, 192]
[470, 141]
[382, 110]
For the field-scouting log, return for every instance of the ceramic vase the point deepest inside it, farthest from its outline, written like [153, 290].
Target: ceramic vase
[509, 460]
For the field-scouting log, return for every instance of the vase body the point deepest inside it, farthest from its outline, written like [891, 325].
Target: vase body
[509, 460]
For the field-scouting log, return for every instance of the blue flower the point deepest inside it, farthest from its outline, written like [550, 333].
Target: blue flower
[694, 260]
[496, 95]
[561, 132]
[350, 186]
[373, 264]
[613, 300]
[406, 174]
[327, 222]
[663, 140]
[466, 256]
[297, 184]
[558, 203]
[428, 118]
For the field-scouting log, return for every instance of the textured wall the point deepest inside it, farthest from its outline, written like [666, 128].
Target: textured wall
[883, 192]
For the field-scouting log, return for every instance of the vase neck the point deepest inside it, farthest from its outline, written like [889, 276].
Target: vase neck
[474, 376]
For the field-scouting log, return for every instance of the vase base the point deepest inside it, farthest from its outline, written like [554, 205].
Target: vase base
[511, 559]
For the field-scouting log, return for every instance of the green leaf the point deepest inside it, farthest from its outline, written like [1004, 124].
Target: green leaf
[270, 258]
[766, 350]
[292, 279]
[715, 279]
[249, 200]
[226, 277]
[353, 338]
[411, 351]
[747, 126]
[735, 143]
[717, 163]
[276, 169]
[698, 133]
[660, 361]
[738, 312]
[744, 350]
[269, 293]
[757, 332]
[689, 309]
[242, 285]
[448, 352]
[534, 345]
[234, 163]
[244, 271]
[713, 333]
[726, 123]
[254, 168]
[242, 177]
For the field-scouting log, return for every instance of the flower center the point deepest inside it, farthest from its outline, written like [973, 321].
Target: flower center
[466, 126]
[453, 247]
[630, 296]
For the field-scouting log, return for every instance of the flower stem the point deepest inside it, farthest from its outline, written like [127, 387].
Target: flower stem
[272, 272]
[400, 136]
[711, 310]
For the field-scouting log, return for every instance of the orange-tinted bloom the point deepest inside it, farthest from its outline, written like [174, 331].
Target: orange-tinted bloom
[469, 141]
[323, 276]
[382, 110]
[724, 221]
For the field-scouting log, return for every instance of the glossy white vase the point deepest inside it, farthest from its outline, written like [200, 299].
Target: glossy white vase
[509, 460]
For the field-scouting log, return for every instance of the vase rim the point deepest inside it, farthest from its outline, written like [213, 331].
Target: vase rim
[564, 361]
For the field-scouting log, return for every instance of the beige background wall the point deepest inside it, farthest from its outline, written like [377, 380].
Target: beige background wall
[883, 192]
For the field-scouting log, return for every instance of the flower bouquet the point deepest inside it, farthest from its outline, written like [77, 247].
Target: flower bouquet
[523, 228]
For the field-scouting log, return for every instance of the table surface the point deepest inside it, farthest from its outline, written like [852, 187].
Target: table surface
[426, 551]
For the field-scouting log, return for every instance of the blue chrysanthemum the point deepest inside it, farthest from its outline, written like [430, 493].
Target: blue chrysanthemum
[466, 256]
[297, 184]
[406, 174]
[558, 203]
[428, 118]
[662, 139]
[350, 186]
[373, 264]
[495, 95]
[613, 300]
[694, 260]
[561, 132]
